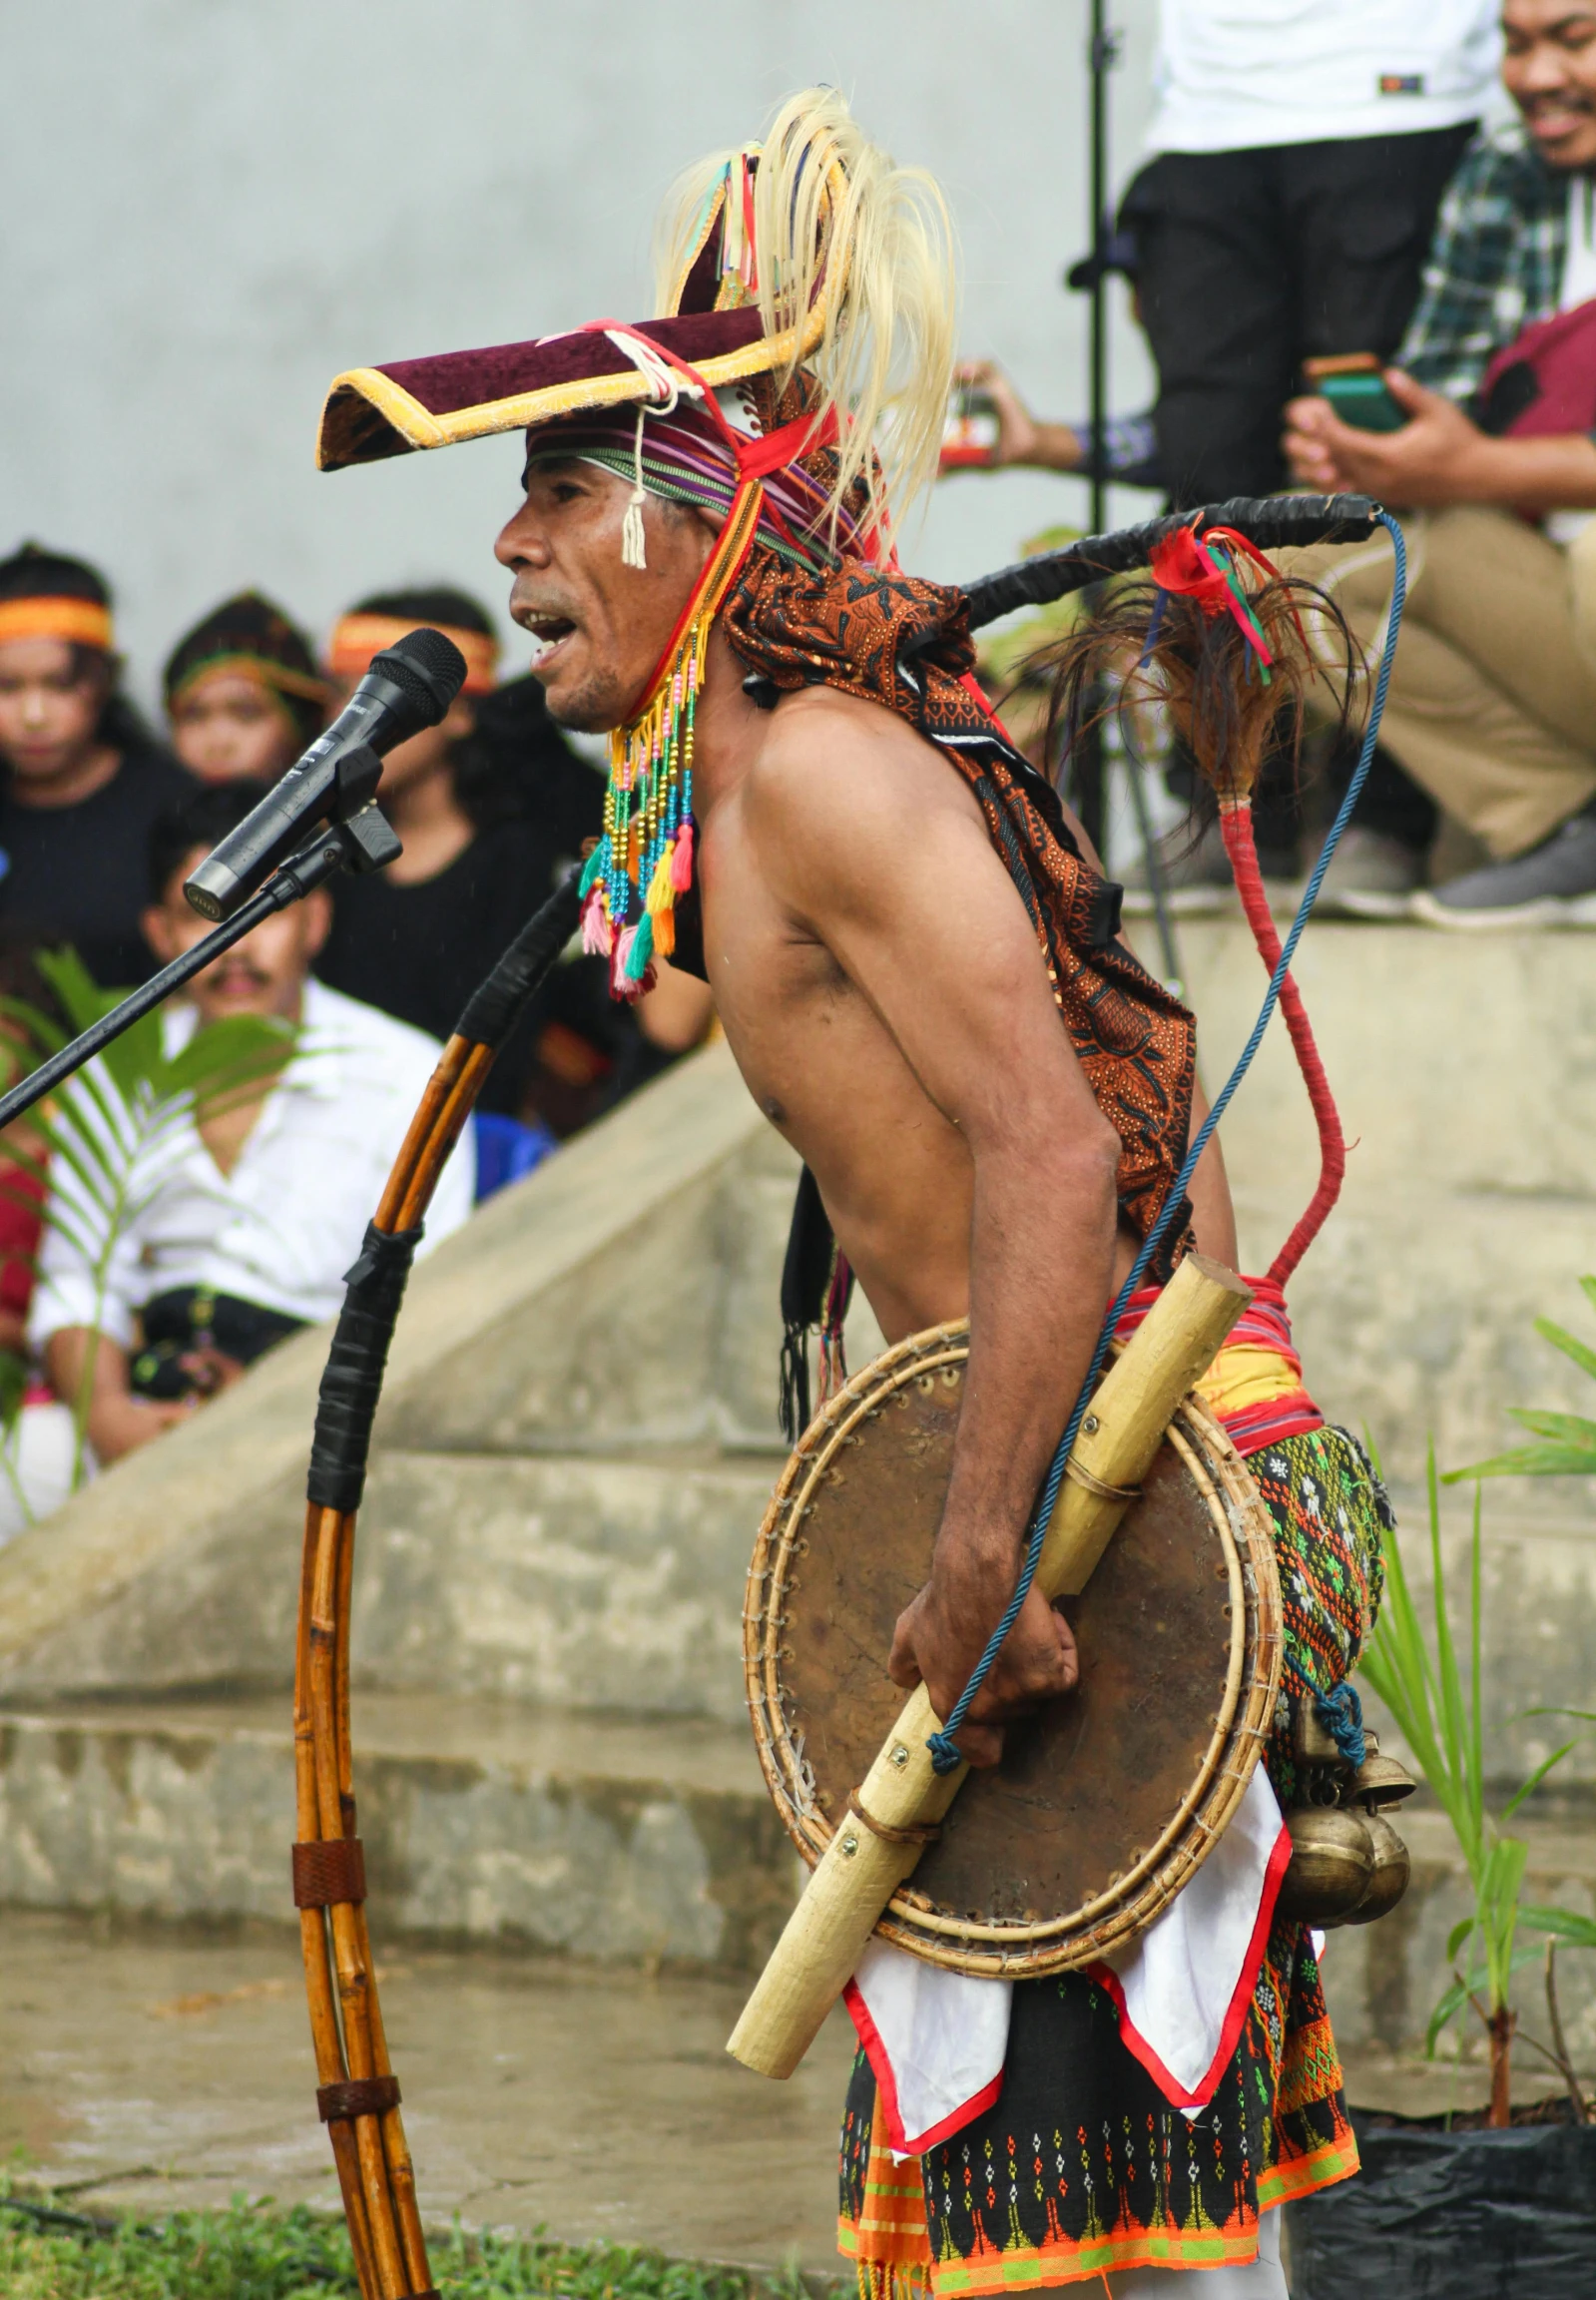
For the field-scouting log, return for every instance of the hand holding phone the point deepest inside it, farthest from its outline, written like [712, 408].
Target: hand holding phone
[1355, 390]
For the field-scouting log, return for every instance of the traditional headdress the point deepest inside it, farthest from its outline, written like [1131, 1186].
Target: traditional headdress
[45, 595]
[797, 376]
[249, 634]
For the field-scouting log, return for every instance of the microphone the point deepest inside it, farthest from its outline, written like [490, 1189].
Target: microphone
[408, 686]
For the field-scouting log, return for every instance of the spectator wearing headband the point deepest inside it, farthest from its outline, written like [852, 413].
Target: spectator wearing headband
[80, 776]
[243, 693]
[491, 806]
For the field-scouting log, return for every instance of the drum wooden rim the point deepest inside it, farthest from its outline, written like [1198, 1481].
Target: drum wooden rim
[1132, 1900]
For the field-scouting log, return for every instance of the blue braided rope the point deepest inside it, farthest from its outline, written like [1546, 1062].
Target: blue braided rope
[945, 1756]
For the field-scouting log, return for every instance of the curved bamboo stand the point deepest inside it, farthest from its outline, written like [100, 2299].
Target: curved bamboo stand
[358, 2092]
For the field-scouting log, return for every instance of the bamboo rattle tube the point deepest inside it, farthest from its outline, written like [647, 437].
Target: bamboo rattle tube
[859, 1871]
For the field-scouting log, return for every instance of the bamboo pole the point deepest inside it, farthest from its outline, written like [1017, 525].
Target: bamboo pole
[859, 1871]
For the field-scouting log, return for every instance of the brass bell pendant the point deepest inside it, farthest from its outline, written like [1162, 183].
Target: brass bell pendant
[1391, 1868]
[1331, 1865]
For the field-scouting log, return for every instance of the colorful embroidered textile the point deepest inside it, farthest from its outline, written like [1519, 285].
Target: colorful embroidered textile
[1255, 1385]
[1082, 2166]
[1329, 1511]
[904, 644]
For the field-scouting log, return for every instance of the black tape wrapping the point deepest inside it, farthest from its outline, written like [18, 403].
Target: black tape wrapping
[1272, 522]
[492, 1011]
[351, 1382]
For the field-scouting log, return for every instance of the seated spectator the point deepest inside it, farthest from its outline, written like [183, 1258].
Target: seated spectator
[243, 693]
[491, 807]
[1493, 700]
[246, 1216]
[83, 777]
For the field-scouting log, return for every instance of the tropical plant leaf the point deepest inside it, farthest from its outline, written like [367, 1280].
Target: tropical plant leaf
[1456, 1937]
[1571, 1346]
[1568, 1429]
[1535, 1780]
[1450, 2003]
[1562, 1923]
[1531, 1462]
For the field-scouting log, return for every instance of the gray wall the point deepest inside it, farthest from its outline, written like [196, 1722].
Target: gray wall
[212, 206]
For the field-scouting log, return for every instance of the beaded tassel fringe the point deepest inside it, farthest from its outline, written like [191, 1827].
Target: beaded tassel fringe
[644, 859]
[646, 852]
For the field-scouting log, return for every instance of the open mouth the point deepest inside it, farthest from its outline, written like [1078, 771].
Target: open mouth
[548, 631]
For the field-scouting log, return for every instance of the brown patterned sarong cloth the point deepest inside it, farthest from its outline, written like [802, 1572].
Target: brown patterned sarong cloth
[1082, 2166]
[904, 644]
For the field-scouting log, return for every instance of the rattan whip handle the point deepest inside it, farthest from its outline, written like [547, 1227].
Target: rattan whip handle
[859, 1871]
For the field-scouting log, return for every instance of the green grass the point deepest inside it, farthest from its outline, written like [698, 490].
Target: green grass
[254, 2252]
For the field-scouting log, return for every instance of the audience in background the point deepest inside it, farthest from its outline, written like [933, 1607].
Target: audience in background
[83, 777]
[491, 806]
[244, 1216]
[243, 693]
[1492, 704]
[1295, 163]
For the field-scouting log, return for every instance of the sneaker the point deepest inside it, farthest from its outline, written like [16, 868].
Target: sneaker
[1197, 878]
[1555, 885]
[1371, 876]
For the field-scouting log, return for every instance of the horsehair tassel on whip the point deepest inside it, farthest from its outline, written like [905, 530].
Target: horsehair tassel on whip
[1235, 826]
[358, 2091]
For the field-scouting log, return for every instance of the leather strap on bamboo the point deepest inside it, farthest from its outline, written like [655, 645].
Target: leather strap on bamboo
[926, 1834]
[357, 2097]
[329, 1872]
[1091, 1485]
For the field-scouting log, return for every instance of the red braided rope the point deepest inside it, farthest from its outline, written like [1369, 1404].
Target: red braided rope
[1236, 825]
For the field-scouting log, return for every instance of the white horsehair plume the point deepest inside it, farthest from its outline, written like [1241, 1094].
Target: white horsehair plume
[828, 203]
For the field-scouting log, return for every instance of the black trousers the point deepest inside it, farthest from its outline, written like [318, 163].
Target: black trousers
[1252, 261]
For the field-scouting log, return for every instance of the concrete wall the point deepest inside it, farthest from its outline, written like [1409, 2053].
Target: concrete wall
[214, 206]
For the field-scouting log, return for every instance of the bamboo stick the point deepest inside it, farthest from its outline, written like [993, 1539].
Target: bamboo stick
[858, 1871]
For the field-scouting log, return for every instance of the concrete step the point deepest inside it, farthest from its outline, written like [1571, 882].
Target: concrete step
[644, 1843]
[487, 1825]
[571, 1581]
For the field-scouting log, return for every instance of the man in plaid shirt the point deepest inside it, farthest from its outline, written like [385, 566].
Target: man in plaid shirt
[1493, 702]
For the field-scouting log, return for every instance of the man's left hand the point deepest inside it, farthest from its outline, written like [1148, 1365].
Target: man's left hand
[1436, 458]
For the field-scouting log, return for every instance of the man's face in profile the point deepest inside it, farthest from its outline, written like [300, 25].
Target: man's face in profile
[1549, 70]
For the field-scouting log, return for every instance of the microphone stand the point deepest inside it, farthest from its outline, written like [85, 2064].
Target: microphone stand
[354, 844]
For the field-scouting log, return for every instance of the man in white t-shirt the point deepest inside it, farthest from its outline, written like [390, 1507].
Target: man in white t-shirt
[247, 1216]
[1493, 700]
[1298, 152]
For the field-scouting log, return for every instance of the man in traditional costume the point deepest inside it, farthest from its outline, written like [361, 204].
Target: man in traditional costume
[811, 804]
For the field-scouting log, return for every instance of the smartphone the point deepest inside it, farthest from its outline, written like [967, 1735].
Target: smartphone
[1357, 391]
[969, 435]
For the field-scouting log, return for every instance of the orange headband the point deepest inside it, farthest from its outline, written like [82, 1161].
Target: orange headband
[81, 622]
[356, 638]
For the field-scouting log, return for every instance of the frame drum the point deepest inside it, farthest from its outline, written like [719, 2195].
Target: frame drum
[1106, 1801]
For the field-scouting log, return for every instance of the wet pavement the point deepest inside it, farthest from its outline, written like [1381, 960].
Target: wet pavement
[163, 2068]
[157, 2066]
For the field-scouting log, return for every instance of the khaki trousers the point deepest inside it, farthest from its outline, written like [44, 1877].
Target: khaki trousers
[1492, 704]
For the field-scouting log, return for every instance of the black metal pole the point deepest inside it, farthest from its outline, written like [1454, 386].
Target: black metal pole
[1087, 779]
[302, 871]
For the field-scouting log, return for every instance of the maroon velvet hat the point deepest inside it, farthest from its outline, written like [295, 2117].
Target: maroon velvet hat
[711, 327]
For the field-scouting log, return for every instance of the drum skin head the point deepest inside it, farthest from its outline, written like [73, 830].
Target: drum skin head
[1081, 1820]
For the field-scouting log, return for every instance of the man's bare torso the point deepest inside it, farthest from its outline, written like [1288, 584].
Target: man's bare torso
[894, 1167]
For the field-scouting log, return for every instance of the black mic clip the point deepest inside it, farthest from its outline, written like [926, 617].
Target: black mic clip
[370, 840]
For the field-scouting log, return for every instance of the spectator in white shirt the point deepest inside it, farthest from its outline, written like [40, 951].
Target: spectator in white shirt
[245, 1221]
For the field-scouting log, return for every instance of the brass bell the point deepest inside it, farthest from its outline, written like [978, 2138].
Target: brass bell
[1380, 1780]
[1331, 1865]
[1391, 1868]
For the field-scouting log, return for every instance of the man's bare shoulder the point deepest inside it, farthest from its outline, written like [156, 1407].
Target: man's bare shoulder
[831, 766]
